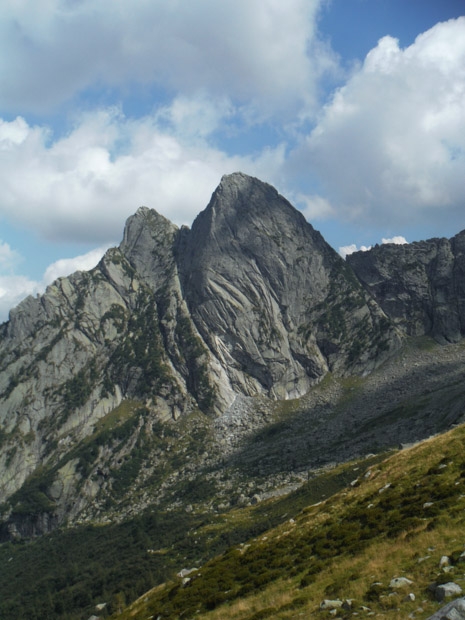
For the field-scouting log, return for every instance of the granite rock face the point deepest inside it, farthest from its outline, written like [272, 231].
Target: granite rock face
[249, 302]
[271, 299]
[420, 286]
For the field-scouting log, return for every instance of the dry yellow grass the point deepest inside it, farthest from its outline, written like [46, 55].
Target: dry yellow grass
[435, 467]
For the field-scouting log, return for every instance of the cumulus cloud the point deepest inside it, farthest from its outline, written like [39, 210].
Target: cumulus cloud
[390, 145]
[315, 207]
[14, 288]
[8, 258]
[84, 185]
[65, 266]
[397, 240]
[345, 250]
[252, 50]
[350, 249]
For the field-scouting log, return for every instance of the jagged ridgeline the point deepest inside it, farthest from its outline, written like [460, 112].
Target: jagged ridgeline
[188, 326]
[249, 301]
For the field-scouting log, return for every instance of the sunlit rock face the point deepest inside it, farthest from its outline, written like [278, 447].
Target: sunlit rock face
[273, 301]
[251, 301]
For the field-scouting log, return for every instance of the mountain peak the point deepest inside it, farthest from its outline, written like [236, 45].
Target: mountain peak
[239, 192]
[241, 181]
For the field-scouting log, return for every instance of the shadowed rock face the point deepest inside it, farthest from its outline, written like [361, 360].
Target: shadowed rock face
[251, 301]
[420, 286]
[273, 301]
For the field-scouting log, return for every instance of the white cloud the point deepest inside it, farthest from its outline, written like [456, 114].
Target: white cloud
[196, 116]
[315, 207]
[350, 249]
[14, 288]
[261, 50]
[66, 266]
[8, 258]
[397, 240]
[390, 146]
[84, 185]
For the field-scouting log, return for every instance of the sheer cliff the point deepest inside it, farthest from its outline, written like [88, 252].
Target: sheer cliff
[248, 305]
[273, 301]
[420, 286]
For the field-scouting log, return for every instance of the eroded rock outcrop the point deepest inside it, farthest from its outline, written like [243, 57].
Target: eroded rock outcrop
[250, 301]
[273, 301]
[420, 286]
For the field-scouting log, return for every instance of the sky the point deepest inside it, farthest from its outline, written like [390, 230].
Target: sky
[353, 109]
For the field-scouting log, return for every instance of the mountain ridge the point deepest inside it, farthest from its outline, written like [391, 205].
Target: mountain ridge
[420, 285]
[250, 305]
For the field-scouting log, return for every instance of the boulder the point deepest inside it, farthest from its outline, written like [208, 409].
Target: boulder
[331, 604]
[447, 590]
[400, 582]
[455, 610]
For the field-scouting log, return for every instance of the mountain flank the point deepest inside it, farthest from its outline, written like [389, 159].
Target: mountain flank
[420, 286]
[250, 302]
[390, 544]
[196, 371]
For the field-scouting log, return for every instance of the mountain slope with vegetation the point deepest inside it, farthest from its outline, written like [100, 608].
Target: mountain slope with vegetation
[397, 520]
[250, 302]
[200, 387]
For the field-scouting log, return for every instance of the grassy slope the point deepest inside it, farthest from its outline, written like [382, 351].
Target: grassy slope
[340, 548]
[65, 574]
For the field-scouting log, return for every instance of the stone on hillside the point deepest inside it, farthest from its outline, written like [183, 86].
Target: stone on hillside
[455, 610]
[444, 561]
[453, 614]
[447, 590]
[331, 604]
[186, 571]
[400, 582]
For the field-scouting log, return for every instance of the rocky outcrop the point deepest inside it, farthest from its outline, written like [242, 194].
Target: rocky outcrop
[420, 286]
[271, 299]
[250, 302]
[452, 611]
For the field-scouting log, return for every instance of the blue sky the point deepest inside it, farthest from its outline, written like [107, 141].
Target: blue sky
[353, 109]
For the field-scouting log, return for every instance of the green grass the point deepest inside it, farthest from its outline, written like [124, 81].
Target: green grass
[65, 574]
[340, 547]
[328, 539]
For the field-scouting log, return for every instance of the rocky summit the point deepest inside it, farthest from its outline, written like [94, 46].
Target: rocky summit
[248, 307]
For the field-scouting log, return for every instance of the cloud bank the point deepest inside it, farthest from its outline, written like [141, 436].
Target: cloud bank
[262, 52]
[83, 186]
[390, 145]
[14, 288]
